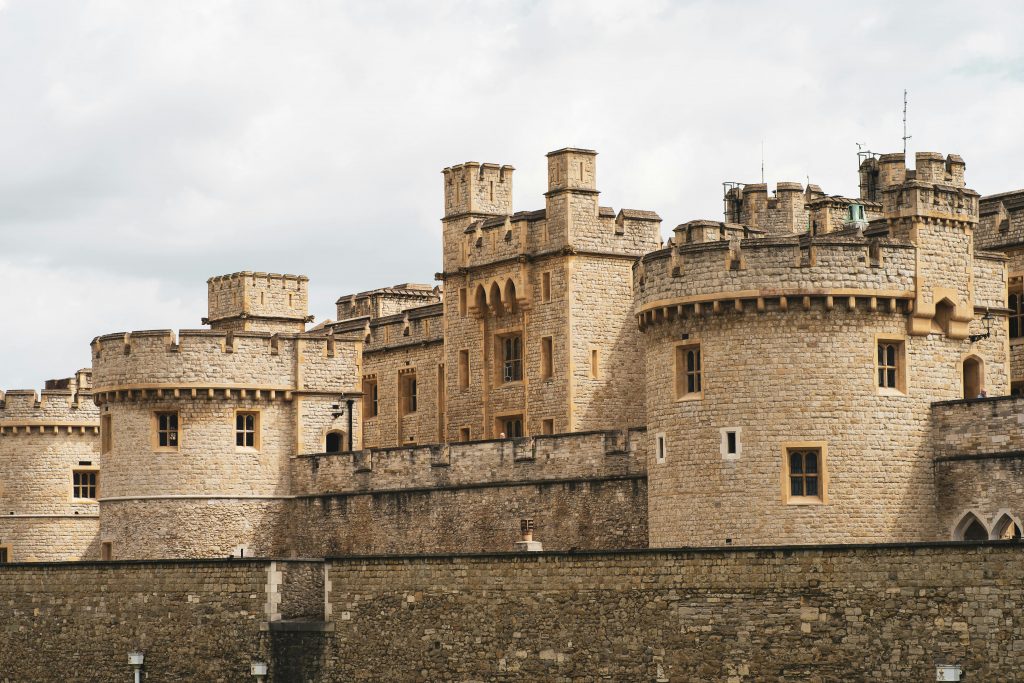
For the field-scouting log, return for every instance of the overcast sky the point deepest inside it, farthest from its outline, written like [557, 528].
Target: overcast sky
[145, 146]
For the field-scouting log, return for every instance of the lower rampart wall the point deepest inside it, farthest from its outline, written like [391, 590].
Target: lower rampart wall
[581, 514]
[766, 614]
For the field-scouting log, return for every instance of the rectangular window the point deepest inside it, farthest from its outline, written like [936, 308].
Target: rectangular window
[106, 438]
[407, 392]
[547, 367]
[547, 426]
[464, 434]
[167, 430]
[594, 366]
[5, 554]
[106, 551]
[511, 426]
[545, 286]
[689, 374]
[1016, 302]
[83, 484]
[510, 350]
[464, 369]
[889, 365]
[659, 448]
[730, 448]
[463, 302]
[247, 427]
[370, 404]
[805, 478]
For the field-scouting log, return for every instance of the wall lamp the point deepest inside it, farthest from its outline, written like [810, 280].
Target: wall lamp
[987, 319]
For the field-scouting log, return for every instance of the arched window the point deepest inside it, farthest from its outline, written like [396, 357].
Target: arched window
[970, 528]
[974, 379]
[1006, 529]
[335, 442]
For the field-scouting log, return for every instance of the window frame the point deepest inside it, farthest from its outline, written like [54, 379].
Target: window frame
[547, 426]
[95, 471]
[464, 369]
[501, 362]
[1015, 302]
[547, 358]
[371, 397]
[408, 392]
[157, 431]
[821, 448]
[342, 443]
[545, 286]
[737, 432]
[682, 373]
[255, 431]
[899, 370]
[503, 421]
[660, 448]
[7, 554]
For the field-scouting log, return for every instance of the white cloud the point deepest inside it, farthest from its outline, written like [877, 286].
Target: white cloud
[161, 143]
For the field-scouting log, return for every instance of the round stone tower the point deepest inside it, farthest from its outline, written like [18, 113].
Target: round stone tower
[789, 380]
[49, 472]
[203, 426]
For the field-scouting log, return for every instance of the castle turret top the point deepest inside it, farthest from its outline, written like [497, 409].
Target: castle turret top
[258, 302]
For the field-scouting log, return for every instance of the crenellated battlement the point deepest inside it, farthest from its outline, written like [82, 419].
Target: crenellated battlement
[66, 405]
[217, 359]
[475, 188]
[743, 273]
[256, 301]
[581, 455]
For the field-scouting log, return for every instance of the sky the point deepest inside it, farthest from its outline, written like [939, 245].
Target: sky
[146, 146]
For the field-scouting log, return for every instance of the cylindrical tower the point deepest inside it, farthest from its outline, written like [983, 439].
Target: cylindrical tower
[789, 382]
[49, 473]
[202, 428]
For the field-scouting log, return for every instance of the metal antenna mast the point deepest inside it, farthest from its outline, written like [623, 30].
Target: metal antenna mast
[762, 161]
[905, 136]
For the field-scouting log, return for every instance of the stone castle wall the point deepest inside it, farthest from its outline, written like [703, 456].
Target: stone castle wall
[583, 491]
[832, 613]
[979, 464]
[44, 439]
[207, 496]
[788, 333]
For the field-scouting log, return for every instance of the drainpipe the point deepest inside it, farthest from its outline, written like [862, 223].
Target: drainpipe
[350, 402]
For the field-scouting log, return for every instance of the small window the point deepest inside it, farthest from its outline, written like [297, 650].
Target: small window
[370, 397]
[106, 551]
[247, 426]
[83, 484]
[407, 392]
[805, 474]
[730, 448]
[512, 426]
[464, 434]
[511, 353]
[547, 426]
[659, 449]
[547, 368]
[1016, 302]
[595, 368]
[889, 360]
[335, 442]
[464, 369]
[689, 374]
[545, 286]
[974, 378]
[106, 437]
[167, 430]
[5, 554]
[463, 302]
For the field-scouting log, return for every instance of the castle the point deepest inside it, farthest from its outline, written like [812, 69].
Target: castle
[812, 369]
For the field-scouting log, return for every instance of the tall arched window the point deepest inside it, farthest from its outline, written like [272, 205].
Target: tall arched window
[1016, 303]
[974, 380]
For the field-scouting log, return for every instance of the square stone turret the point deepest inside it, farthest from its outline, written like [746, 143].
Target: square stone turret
[258, 302]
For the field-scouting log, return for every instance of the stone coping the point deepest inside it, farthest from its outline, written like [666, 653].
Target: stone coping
[968, 401]
[783, 550]
[495, 484]
[968, 457]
